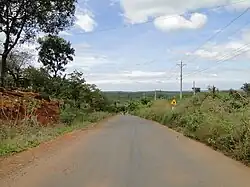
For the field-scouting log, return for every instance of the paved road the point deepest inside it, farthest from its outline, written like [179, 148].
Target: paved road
[128, 151]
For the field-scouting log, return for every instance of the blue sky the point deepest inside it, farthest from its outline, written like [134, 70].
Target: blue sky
[118, 50]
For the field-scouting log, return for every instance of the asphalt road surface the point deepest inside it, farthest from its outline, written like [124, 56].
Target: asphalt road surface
[127, 151]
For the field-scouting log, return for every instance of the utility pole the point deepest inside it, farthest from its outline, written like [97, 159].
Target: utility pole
[155, 95]
[194, 87]
[181, 66]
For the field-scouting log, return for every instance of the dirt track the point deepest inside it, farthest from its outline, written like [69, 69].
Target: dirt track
[125, 151]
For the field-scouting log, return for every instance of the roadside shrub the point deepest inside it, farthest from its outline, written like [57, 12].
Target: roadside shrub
[68, 114]
[219, 120]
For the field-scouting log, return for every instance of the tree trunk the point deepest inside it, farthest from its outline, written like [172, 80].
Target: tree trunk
[55, 73]
[17, 82]
[3, 69]
[15, 77]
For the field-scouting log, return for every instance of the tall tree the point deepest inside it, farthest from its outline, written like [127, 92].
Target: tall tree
[55, 53]
[16, 62]
[21, 20]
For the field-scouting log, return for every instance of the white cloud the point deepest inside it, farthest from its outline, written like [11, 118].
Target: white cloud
[85, 21]
[206, 54]
[239, 47]
[127, 77]
[2, 37]
[65, 33]
[86, 58]
[141, 10]
[150, 80]
[86, 61]
[167, 23]
[141, 74]
[223, 51]
[246, 35]
[82, 47]
[113, 2]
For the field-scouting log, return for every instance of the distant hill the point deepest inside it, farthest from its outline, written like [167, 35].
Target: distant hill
[123, 95]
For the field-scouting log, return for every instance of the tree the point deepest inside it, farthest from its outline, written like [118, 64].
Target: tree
[37, 79]
[16, 63]
[246, 87]
[21, 20]
[75, 88]
[213, 90]
[55, 53]
[196, 89]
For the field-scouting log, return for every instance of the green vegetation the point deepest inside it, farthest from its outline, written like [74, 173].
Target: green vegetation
[81, 104]
[218, 119]
[29, 134]
[64, 94]
[21, 21]
[55, 53]
[123, 97]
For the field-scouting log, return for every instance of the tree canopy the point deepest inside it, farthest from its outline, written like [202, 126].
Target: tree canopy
[22, 20]
[55, 53]
[16, 62]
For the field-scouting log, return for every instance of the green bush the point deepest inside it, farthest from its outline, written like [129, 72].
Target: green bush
[67, 116]
[15, 138]
[219, 120]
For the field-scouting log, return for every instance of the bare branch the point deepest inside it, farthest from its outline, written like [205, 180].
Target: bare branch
[17, 37]
[14, 19]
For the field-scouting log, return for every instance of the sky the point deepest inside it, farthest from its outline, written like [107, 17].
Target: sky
[135, 45]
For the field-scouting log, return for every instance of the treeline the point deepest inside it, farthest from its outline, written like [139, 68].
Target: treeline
[22, 21]
[80, 103]
[49, 80]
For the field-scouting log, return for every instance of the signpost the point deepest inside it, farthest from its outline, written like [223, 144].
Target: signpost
[173, 103]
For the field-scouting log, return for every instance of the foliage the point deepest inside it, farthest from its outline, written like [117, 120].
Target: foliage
[14, 139]
[80, 103]
[38, 79]
[21, 20]
[246, 88]
[220, 120]
[145, 100]
[123, 97]
[196, 90]
[55, 53]
[17, 61]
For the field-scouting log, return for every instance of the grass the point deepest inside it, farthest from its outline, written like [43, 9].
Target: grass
[28, 134]
[221, 121]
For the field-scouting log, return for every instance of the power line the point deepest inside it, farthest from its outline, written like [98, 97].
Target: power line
[170, 76]
[159, 17]
[213, 36]
[210, 38]
[217, 33]
[221, 30]
[236, 31]
[240, 49]
[241, 27]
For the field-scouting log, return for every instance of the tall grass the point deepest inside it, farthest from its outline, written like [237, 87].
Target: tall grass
[221, 121]
[15, 138]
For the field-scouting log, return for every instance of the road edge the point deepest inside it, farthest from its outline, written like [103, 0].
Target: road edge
[11, 164]
[197, 142]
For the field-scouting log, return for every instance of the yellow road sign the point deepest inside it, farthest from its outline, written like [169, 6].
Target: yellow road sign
[173, 102]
